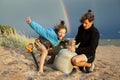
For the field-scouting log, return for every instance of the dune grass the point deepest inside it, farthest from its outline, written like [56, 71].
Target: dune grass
[14, 40]
[7, 30]
[9, 37]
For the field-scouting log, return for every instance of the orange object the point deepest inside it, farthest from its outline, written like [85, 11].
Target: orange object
[29, 47]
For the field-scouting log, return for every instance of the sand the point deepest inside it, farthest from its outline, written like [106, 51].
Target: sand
[17, 64]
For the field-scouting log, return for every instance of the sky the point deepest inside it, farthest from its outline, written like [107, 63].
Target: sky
[45, 12]
[106, 15]
[48, 13]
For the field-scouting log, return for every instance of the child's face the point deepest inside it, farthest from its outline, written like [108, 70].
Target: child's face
[61, 33]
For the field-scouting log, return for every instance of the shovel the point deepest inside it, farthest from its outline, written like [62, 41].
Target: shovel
[30, 47]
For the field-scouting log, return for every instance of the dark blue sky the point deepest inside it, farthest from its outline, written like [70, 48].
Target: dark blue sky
[107, 15]
[49, 12]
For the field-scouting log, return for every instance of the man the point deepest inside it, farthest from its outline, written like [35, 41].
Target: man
[88, 37]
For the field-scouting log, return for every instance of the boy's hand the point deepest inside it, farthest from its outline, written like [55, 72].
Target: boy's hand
[28, 20]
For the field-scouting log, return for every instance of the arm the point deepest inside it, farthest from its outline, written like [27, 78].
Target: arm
[37, 28]
[48, 34]
[77, 38]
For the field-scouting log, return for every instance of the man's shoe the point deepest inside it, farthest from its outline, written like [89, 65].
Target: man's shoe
[90, 69]
[81, 69]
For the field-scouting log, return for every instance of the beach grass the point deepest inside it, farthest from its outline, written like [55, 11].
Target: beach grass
[12, 39]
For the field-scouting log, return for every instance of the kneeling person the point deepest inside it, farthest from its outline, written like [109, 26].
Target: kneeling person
[88, 37]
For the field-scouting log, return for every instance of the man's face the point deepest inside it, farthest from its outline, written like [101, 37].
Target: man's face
[87, 24]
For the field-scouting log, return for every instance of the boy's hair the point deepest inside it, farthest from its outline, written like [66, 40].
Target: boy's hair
[88, 16]
[60, 26]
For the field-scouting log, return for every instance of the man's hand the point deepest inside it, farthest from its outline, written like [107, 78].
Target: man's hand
[71, 47]
[72, 43]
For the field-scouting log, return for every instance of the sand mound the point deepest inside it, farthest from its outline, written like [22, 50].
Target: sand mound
[17, 64]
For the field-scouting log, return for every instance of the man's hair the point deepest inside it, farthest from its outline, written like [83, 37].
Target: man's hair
[89, 15]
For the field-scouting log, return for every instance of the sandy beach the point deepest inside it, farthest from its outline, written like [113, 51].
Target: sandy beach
[17, 64]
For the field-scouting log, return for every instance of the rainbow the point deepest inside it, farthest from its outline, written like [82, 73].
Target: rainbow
[67, 22]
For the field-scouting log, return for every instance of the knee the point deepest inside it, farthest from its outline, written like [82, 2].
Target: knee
[73, 61]
[77, 62]
[43, 50]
